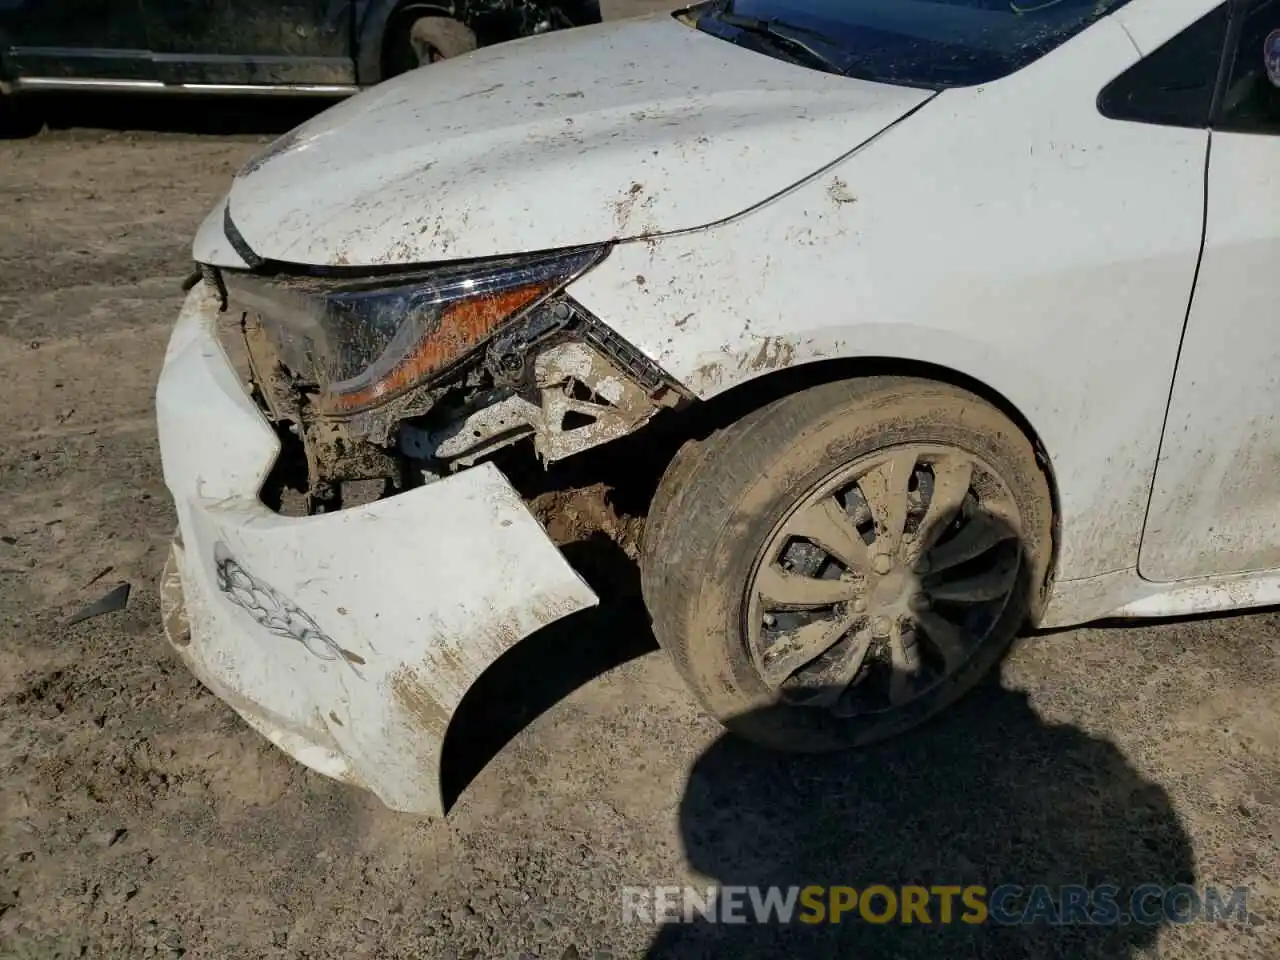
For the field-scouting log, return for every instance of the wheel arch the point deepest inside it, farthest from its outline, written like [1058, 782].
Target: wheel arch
[372, 31]
[728, 405]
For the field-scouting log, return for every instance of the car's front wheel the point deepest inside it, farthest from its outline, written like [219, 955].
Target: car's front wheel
[840, 565]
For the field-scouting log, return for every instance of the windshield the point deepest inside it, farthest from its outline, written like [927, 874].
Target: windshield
[919, 43]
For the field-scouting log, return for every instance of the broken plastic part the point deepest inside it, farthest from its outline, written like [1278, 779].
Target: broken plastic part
[583, 399]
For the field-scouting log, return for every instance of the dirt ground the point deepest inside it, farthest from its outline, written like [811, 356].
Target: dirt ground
[140, 817]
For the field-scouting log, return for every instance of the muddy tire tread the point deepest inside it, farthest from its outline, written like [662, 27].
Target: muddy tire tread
[704, 486]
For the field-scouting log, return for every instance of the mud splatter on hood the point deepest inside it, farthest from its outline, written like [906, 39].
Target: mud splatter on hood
[617, 131]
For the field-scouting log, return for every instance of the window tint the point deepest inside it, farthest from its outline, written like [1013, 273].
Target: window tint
[1174, 85]
[1251, 101]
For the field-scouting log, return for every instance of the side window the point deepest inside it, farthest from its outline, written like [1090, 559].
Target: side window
[1174, 85]
[1251, 101]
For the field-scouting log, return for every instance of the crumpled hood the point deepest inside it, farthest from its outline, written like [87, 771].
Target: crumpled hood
[626, 129]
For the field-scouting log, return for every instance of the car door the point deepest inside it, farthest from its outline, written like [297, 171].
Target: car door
[252, 42]
[74, 40]
[1215, 505]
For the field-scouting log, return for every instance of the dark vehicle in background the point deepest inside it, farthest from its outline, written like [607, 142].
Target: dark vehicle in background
[320, 47]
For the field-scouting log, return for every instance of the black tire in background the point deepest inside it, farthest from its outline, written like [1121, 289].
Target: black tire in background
[420, 36]
[439, 38]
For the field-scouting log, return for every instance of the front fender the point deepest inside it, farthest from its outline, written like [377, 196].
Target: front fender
[1008, 232]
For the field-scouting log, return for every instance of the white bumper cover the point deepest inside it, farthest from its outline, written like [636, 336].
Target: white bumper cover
[348, 639]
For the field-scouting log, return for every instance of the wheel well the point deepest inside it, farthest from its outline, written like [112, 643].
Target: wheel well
[736, 402]
[648, 451]
[399, 20]
[633, 466]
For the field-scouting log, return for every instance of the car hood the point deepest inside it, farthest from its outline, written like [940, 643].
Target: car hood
[627, 129]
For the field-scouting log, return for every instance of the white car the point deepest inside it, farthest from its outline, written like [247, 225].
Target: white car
[963, 314]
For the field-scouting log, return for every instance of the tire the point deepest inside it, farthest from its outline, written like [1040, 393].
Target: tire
[726, 504]
[412, 42]
[439, 38]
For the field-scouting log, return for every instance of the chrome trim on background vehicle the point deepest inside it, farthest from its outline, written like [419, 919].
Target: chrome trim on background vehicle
[156, 86]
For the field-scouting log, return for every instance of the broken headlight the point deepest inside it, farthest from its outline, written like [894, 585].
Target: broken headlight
[364, 341]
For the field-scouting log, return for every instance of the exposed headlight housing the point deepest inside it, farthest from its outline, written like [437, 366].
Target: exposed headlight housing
[365, 341]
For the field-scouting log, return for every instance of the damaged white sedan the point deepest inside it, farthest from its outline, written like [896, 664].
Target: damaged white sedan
[958, 313]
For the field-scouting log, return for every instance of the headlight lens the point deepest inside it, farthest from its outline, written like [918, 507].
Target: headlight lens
[366, 341]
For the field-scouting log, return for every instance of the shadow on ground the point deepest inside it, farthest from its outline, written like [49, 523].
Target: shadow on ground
[544, 668]
[172, 113]
[987, 795]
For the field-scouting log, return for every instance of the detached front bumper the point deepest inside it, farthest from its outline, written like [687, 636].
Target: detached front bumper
[347, 639]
